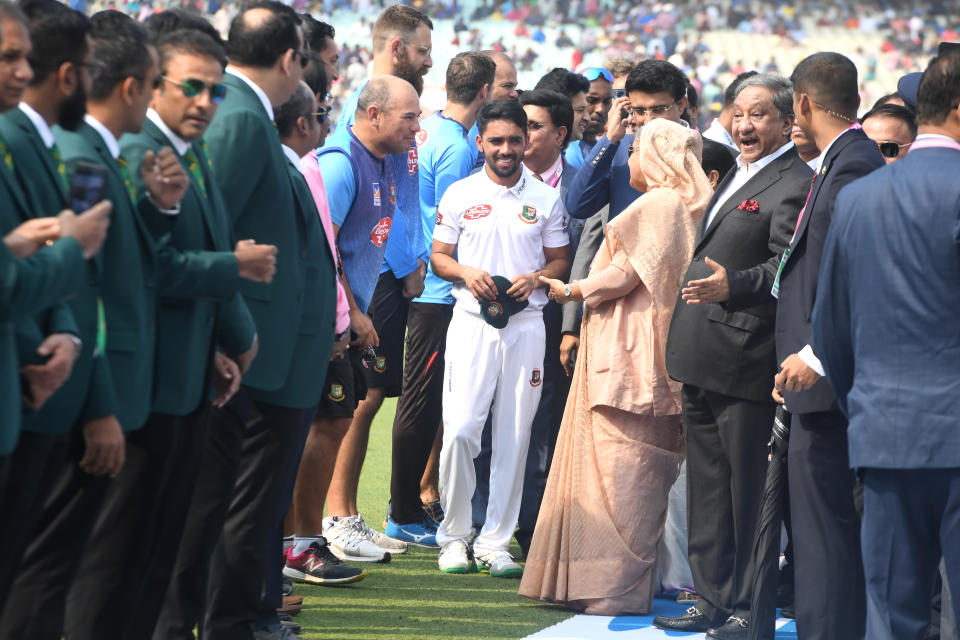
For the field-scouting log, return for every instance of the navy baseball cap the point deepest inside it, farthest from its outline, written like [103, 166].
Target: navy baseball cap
[907, 88]
[497, 312]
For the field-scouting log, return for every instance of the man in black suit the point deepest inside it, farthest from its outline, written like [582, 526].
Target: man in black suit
[721, 346]
[829, 597]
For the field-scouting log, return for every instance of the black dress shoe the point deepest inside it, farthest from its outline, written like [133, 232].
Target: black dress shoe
[735, 628]
[692, 620]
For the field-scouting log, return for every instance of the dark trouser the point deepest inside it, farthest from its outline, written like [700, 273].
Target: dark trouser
[911, 516]
[829, 596]
[126, 568]
[543, 437]
[33, 468]
[252, 450]
[420, 407]
[726, 467]
[37, 601]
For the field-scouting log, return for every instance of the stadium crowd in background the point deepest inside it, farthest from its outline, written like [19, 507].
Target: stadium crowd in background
[589, 311]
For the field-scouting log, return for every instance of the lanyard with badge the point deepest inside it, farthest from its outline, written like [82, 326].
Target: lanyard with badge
[775, 289]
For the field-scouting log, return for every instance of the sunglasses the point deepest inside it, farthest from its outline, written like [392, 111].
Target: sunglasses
[593, 73]
[657, 110]
[619, 93]
[891, 149]
[192, 87]
[304, 58]
[321, 115]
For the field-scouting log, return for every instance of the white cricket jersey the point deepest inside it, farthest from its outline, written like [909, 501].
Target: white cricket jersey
[502, 231]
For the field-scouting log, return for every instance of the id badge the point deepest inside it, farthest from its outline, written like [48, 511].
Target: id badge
[775, 289]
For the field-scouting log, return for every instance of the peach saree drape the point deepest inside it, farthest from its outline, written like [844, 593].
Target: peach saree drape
[621, 440]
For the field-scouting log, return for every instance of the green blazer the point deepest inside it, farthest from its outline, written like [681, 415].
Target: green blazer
[314, 335]
[198, 247]
[251, 170]
[38, 190]
[127, 286]
[26, 287]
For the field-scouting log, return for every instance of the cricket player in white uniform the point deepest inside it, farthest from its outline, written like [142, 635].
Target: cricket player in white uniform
[498, 221]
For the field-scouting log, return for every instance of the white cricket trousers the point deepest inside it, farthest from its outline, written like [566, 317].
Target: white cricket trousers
[486, 365]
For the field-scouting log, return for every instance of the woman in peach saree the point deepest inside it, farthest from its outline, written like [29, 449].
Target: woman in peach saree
[621, 442]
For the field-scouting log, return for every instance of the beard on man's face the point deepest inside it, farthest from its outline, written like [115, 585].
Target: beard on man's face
[409, 72]
[73, 110]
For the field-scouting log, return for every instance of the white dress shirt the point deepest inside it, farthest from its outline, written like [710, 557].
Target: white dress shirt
[108, 138]
[745, 171]
[292, 156]
[179, 144]
[46, 134]
[806, 354]
[264, 100]
[718, 133]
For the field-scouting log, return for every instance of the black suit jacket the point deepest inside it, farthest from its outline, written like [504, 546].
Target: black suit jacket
[728, 348]
[851, 156]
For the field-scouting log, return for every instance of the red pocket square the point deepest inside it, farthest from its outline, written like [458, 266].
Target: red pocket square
[749, 205]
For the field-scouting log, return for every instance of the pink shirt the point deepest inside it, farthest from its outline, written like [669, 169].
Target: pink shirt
[311, 171]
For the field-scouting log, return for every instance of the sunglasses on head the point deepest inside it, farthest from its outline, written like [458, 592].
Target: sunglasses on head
[593, 73]
[192, 87]
[891, 149]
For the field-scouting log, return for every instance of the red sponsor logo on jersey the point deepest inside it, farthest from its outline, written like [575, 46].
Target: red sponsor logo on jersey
[421, 137]
[412, 161]
[477, 211]
[381, 232]
[439, 217]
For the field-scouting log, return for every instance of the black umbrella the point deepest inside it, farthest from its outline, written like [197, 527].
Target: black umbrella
[766, 540]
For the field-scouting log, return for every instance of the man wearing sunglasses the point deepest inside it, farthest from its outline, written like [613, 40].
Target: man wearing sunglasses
[91, 485]
[893, 128]
[167, 450]
[261, 430]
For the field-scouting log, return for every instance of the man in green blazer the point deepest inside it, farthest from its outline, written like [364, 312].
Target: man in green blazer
[262, 429]
[125, 288]
[31, 187]
[123, 578]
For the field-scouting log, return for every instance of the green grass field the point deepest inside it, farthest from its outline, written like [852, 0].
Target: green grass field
[408, 598]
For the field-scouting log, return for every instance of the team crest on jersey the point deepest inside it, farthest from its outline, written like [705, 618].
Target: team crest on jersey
[381, 364]
[494, 309]
[477, 211]
[413, 161]
[528, 214]
[535, 378]
[393, 193]
[421, 137]
[336, 392]
[376, 194]
[381, 232]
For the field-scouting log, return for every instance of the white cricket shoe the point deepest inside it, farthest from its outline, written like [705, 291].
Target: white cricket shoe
[348, 542]
[499, 564]
[455, 558]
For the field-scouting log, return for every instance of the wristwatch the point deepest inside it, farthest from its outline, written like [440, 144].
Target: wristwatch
[567, 293]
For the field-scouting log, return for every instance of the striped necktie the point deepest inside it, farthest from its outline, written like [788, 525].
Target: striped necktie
[61, 168]
[194, 164]
[7, 156]
[127, 181]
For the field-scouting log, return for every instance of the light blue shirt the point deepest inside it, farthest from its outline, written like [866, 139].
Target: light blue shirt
[446, 154]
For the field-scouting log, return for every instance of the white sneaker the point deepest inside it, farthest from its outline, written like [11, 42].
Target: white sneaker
[381, 540]
[499, 564]
[348, 542]
[455, 558]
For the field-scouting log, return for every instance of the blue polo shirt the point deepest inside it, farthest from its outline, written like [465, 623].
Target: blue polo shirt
[362, 194]
[401, 255]
[447, 153]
